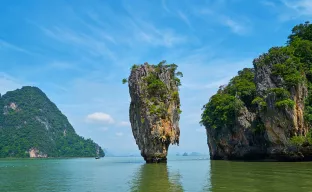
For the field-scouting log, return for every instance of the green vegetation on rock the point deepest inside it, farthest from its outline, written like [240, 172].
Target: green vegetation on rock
[156, 90]
[292, 66]
[222, 108]
[28, 119]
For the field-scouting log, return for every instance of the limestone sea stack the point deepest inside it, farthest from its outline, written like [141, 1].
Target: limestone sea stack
[266, 112]
[154, 109]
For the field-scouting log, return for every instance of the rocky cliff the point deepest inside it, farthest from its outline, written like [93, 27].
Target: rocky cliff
[266, 112]
[32, 126]
[154, 109]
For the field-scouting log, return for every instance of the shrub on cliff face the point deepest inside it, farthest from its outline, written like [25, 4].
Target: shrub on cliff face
[243, 86]
[222, 108]
[221, 111]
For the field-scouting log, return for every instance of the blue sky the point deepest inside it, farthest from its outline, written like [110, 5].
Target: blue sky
[78, 51]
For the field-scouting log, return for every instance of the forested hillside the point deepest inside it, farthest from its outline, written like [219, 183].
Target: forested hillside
[31, 123]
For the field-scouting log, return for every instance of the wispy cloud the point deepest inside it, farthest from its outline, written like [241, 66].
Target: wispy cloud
[302, 7]
[184, 18]
[293, 9]
[268, 3]
[164, 5]
[238, 24]
[6, 45]
[93, 44]
[147, 33]
[237, 27]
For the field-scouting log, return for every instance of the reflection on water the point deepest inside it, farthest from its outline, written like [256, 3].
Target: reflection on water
[132, 174]
[260, 176]
[155, 177]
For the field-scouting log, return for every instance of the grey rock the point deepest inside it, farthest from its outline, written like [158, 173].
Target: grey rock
[153, 133]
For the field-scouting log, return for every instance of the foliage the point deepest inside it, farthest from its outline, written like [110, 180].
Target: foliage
[220, 110]
[175, 95]
[134, 67]
[124, 81]
[297, 140]
[243, 86]
[302, 31]
[280, 93]
[287, 103]
[259, 101]
[282, 98]
[37, 122]
[308, 106]
[301, 139]
[179, 110]
[179, 74]
[155, 86]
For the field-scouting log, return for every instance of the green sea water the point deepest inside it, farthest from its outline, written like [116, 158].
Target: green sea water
[132, 174]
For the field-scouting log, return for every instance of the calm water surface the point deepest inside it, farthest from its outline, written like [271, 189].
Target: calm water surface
[132, 174]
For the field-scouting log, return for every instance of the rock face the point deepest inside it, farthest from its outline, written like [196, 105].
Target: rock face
[154, 109]
[35, 153]
[266, 114]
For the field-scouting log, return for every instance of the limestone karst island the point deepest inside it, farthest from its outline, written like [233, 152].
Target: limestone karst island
[155, 108]
[265, 112]
[32, 126]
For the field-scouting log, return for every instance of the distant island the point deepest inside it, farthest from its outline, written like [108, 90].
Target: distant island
[265, 112]
[32, 126]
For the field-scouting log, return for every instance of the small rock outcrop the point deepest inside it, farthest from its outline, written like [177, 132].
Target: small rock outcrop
[35, 153]
[266, 112]
[155, 109]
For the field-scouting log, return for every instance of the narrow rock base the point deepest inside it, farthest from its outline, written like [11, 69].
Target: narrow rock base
[155, 159]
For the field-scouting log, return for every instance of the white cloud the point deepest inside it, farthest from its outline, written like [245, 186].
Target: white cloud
[119, 134]
[124, 124]
[100, 117]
